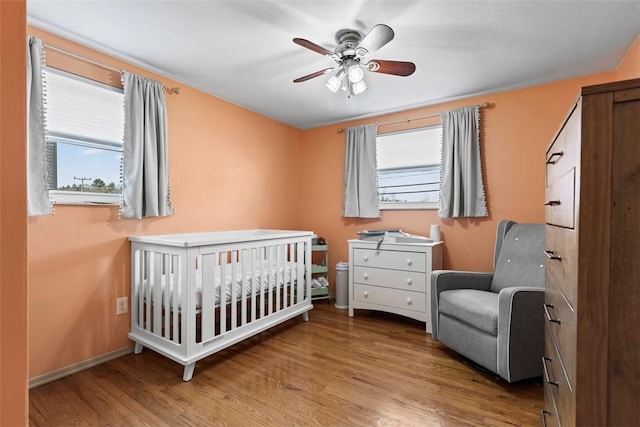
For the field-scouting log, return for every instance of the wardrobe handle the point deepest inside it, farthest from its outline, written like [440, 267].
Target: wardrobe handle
[551, 255]
[546, 372]
[552, 203]
[554, 157]
[548, 315]
[542, 414]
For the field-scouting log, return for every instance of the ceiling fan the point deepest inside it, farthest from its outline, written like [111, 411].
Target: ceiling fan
[352, 58]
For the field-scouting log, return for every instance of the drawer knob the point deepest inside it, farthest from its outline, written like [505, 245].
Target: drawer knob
[548, 315]
[409, 262]
[409, 302]
[366, 276]
[366, 294]
[552, 255]
[366, 258]
[409, 281]
[552, 203]
[546, 372]
[554, 157]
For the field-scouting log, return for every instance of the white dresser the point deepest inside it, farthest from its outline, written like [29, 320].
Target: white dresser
[396, 277]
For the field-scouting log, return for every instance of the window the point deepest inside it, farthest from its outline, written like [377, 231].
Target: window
[85, 128]
[409, 168]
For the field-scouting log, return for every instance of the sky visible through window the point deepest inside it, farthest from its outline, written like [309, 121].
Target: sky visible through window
[75, 161]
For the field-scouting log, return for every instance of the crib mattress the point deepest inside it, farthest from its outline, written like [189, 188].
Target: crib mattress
[265, 279]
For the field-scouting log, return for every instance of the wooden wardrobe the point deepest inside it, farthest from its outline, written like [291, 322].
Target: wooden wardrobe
[592, 242]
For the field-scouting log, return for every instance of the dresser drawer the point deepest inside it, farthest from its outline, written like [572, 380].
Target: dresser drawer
[406, 300]
[556, 382]
[397, 260]
[562, 155]
[550, 415]
[561, 322]
[559, 206]
[406, 280]
[560, 247]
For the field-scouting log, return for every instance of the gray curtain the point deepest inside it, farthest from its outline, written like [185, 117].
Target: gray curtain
[145, 161]
[38, 201]
[360, 173]
[462, 192]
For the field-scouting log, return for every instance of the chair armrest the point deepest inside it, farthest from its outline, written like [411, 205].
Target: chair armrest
[520, 332]
[445, 280]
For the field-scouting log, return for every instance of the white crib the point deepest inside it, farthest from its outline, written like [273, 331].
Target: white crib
[193, 295]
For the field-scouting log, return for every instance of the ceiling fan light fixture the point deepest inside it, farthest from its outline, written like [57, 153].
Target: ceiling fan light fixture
[356, 74]
[358, 87]
[335, 82]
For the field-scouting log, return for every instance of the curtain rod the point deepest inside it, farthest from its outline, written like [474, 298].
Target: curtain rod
[175, 90]
[410, 119]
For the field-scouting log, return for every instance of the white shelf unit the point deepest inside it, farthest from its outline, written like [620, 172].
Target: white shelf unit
[321, 268]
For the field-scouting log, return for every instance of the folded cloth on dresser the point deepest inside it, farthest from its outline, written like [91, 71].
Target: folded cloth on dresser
[265, 279]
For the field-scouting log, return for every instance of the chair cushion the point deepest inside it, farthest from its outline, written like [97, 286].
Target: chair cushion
[475, 308]
[521, 258]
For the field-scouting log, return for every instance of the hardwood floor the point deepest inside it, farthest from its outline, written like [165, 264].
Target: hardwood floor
[373, 369]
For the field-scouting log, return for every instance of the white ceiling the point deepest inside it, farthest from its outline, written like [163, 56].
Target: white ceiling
[242, 50]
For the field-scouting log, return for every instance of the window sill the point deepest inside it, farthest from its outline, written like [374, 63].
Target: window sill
[409, 206]
[84, 199]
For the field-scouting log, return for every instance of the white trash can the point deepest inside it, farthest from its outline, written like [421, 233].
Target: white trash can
[342, 285]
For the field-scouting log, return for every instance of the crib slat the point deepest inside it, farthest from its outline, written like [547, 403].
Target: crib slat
[148, 278]
[208, 269]
[140, 287]
[264, 278]
[233, 284]
[255, 277]
[176, 274]
[301, 279]
[292, 264]
[166, 295]
[223, 293]
[156, 300]
[245, 262]
[277, 275]
[270, 276]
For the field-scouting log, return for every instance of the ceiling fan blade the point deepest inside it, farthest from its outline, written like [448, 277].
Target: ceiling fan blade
[313, 75]
[377, 37]
[314, 47]
[397, 68]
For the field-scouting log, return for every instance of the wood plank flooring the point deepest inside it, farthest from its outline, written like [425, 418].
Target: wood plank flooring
[373, 369]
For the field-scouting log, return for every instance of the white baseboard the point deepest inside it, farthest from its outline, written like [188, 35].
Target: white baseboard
[77, 367]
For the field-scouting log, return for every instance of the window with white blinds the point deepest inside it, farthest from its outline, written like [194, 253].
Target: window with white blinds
[85, 126]
[409, 168]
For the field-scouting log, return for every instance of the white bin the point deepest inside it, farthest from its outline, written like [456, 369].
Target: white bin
[342, 285]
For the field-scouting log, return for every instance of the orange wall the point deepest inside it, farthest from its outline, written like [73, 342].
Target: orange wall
[515, 133]
[230, 168]
[13, 222]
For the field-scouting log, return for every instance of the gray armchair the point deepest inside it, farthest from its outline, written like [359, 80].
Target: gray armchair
[496, 319]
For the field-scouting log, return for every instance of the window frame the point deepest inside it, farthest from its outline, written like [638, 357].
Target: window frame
[411, 205]
[83, 198]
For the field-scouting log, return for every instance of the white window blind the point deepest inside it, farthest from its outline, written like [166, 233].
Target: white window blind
[84, 110]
